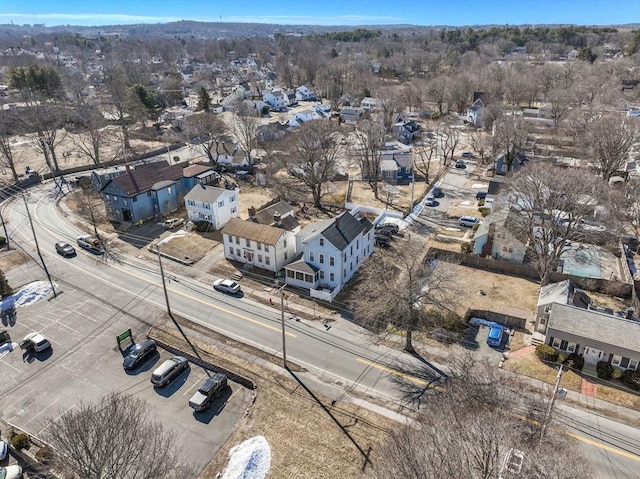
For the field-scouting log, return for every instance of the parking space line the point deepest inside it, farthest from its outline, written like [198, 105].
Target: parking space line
[43, 410]
[6, 363]
[195, 384]
[55, 420]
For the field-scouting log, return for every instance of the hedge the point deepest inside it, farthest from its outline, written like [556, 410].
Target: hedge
[20, 442]
[604, 370]
[631, 379]
[575, 361]
[546, 353]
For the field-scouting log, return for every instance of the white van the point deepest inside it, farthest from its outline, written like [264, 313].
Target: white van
[169, 370]
[468, 221]
[431, 200]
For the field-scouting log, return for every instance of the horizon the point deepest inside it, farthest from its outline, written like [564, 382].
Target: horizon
[331, 13]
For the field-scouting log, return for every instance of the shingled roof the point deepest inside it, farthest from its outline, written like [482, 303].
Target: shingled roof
[343, 230]
[144, 177]
[205, 194]
[253, 231]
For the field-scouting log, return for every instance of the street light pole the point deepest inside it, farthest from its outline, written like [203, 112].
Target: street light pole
[284, 346]
[35, 239]
[547, 416]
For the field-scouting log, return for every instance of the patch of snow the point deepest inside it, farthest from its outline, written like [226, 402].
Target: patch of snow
[7, 348]
[249, 460]
[466, 203]
[29, 294]
[479, 186]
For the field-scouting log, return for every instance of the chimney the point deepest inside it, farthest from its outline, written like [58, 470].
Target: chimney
[252, 212]
[338, 222]
[128, 169]
[630, 312]
[277, 218]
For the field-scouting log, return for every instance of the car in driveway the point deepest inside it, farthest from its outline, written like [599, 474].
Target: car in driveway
[481, 195]
[227, 286]
[460, 164]
[139, 352]
[468, 221]
[65, 249]
[169, 370]
[468, 154]
[494, 337]
[172, 223]
[35, 342]
[11, 472]
[208, 391]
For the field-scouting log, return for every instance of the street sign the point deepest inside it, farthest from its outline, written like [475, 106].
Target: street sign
[121, 337]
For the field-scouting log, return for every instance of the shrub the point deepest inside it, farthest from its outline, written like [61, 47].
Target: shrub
[616, 374]
[575, 361]
[481, 202]
[3, 240]
[604, 370]
[20, 442]
[562, 357]
[546, 353]
[465, 247]
[631, 379]
[45, 455]
[484, 211]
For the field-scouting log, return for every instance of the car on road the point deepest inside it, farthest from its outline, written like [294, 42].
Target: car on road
[468, 221]
[468, 154]
[4, 449]
[169, 370]
[494, 337]
[460, 164]
[227, 286]
[11, 472]
[90, 243]
[65, 249]
[138, 353]
[208, 391]
[172, 223]
[35, 342]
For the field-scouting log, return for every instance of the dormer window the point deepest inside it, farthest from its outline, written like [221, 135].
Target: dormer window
[321, 241]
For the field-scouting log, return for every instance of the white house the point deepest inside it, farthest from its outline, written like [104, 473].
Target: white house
[329, 253]
[369, 103]
[231, 154]
[474, 113]
[212, 204]
[276, 99]
[303, 93]
[304, 116]
[262, 246]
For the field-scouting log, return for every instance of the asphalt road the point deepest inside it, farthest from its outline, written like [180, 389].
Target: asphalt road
[342, 355]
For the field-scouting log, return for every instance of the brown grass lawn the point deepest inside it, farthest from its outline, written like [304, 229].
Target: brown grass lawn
[308, 435]
[12, 258]
[192, 245]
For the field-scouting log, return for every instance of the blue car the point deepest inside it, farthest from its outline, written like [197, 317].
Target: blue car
[494, 338]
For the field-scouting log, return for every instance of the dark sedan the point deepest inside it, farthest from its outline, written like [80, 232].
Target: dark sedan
[139, 353]
[65, 249]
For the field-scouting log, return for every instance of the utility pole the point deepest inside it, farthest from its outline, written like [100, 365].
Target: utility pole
[35, 239]
[164, 284]
[547, 416]
[284, 347]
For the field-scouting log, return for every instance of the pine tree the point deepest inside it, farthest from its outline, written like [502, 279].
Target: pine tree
[204, 100]
[5, 289]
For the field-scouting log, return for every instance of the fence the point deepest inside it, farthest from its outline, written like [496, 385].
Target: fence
[513, 322]
[600, 285]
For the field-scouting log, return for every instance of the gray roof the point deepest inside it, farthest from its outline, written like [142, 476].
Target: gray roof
[597, 326]
[302, 266]
[284, 209]
[205, 194]
[162, 184]
[343, 230]
[555, 293]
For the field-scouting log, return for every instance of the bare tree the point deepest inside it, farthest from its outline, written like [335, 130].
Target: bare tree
[460, 91]
[437, 92]
[7, 125]
[554, 204]
[609, 140]
[310, 156]
[94, 134]
[423, 155]
[117, 437]
[370, 135]
[448, 140]
[470, 428]
[211, 130]
[412, 293]
[246, 124]
[508, 138]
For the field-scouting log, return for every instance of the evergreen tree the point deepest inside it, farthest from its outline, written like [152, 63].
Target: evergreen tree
[5, 289]
[204, 100]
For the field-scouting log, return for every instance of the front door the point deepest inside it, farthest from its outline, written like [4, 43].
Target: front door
[248, 256]
[592, 355]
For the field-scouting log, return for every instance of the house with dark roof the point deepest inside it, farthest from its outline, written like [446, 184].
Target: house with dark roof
[329, 253]
[212, 204]
[498, 236]
[199, 174]
[254, 244]
[151, 191]
[279, 214]
[405, 131]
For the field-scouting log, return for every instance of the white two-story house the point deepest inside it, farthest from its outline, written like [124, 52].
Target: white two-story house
[329, 253]
[263, 246]
[212, 204]
[276, 99]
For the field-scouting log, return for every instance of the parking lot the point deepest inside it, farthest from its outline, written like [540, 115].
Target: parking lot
[84, 364]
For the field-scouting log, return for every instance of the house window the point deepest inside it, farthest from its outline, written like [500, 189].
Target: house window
[311, 256]
[633, 364]
[299, 276]
[237, 251]
[231, 250]
[233, 210]
[321, 241]
[332, 277]
[351, 266]
[285, 242]
[286, 255]
[351, 250]
[571, 347]
[220, 204]
[624, 363]
[247, 242]
[259, 258]
[308, 278]
[267, 260]
[169, 190]
[332, 261]
[291, 274]
[237, 239]
[148, 193]
[230, 238]
[124, 201]
[563, 345]
[616, 360]
[134, 199]
[357, 244]
[321, 258]
[259, 246]
[266, 248]
[232, 199]
[321, 274]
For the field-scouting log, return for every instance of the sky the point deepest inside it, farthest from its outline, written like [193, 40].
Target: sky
[323, 12]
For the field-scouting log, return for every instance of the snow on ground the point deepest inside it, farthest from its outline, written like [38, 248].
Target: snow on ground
[27, 295]
[249, 460]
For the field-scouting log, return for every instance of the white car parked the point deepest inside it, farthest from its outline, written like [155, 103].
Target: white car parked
[35, 341]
